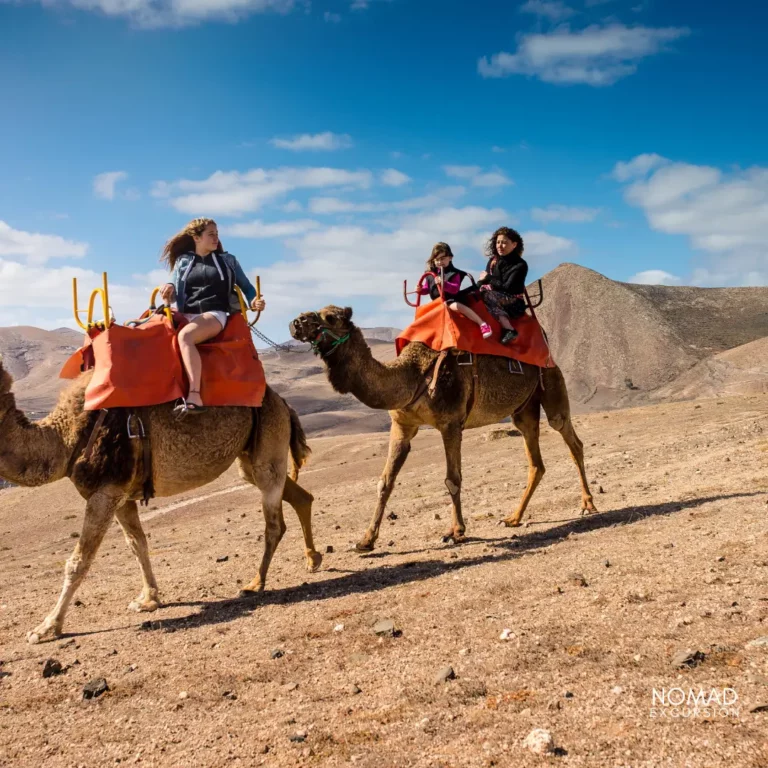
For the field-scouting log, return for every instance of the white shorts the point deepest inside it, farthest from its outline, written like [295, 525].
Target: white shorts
[220, 316]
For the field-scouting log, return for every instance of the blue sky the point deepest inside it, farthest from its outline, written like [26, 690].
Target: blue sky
[335, 142]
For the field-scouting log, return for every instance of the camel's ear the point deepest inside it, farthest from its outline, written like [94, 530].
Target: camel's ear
[347, 313]
[6, 380]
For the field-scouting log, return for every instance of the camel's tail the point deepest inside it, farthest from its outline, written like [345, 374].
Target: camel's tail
[300, 450]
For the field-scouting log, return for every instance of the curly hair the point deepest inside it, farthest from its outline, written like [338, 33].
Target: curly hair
[512, 234]
[438, 250]
[183, 241]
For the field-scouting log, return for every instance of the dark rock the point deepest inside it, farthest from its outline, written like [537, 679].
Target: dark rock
[329, 550]
[353, 689]
[231, 695]
[95, 688]
[577, 579]
[277, 653]
[52, 667]
[222, 558]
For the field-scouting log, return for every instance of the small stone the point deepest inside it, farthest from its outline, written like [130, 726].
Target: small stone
[338, 628]
[74, 535]
[52, 667]
[760, 708]
[600, 489]
[506, 634]
[290, 687]
[353, 689]
[385, 628]
[329, 550]
[95, 688]
[540, 742]
[567, 695]
[391, 516]
[183, 695]
[391, 544]
[617, 690]
[721, 559]
[299, 737]
[67, 643]
[760, 642]
[637, 657]
[444, 675]
[276, 653]
[607, 563]
[464, 652]
[231, 695]
[577, 579]
[687, 658]
[437, 515]
[222, 558]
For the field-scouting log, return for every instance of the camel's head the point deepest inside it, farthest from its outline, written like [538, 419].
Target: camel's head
[323, 329]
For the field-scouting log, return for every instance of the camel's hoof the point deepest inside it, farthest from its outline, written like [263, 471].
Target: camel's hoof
[143, 607]
[589, 510]
[245, 593]
[511, 522]
[314, 560]
[453, 538]
[364, 546]
[41, 634]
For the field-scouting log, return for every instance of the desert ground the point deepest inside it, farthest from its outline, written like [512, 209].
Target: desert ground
[593, 611]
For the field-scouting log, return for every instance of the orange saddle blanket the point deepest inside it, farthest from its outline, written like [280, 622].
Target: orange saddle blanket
[439, 328]
[140, 366]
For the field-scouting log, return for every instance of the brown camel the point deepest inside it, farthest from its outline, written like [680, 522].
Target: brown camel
[465, 396]
[106, 467]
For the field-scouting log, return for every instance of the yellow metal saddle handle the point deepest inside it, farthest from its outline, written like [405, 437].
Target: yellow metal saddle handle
[244, 305]
[103, 292]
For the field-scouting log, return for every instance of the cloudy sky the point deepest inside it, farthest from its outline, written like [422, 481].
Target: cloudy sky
[336, 140]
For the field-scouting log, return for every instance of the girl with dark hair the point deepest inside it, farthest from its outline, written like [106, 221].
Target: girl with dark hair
[203, 280]
[502, 285]
[442, 259]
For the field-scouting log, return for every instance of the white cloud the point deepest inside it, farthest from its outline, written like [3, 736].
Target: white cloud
[565, 213]
[542, 245]
[232, 193]
[597, 55]
[394, 178]
[638, 166]
[474, 174]
[332, 18]
[177, 13]
[316, 142]
[294, 206]
[105, 183]
[37, 248]
[655, 277]
[334, 205]
[260, 229]
[554, 10]
[724, 215]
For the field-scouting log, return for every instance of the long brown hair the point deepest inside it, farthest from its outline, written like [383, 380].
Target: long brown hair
[438, 250]
[183, 241]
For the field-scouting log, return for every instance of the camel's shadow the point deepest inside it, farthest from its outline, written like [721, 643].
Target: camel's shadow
[384, 576]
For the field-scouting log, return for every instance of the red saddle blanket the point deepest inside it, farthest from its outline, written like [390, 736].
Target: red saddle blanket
[439, 328]
[142, 365]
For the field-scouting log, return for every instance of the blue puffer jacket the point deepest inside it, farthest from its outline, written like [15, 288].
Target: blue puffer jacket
[223, 261]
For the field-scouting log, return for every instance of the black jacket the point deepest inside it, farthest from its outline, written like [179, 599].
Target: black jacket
[507, 275]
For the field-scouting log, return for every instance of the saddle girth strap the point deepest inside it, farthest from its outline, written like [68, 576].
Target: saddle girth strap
[138, 429]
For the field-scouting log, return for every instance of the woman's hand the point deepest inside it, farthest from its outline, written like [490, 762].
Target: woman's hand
[438, 280]
[258, 305]
[483, 275]
[168, 294]
[485, 287]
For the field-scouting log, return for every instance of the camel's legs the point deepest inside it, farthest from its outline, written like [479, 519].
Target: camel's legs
[400, 436]
[527, 421]
[128, 517]
[452, 444]
[554, 398]
[270, 479]
[301, 501]
[98, 514]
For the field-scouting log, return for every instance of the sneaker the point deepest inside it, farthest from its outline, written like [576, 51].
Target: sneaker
[508, 336]
[485, 329]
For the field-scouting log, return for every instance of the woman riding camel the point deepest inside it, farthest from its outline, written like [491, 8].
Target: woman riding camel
[502, 285]
[203, 280]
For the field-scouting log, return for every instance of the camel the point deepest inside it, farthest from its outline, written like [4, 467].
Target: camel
[465, 396]
[106, 467]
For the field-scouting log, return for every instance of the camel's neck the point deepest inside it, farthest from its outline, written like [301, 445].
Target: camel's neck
[30, 454]
[352, 368]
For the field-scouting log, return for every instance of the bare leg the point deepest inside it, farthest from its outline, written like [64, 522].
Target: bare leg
[554, 398]
[452, 445]
[467, 312]
[301, 501]
[400, 436]
[527, 421]
[196, 332]
[98, 514]
[128, 517]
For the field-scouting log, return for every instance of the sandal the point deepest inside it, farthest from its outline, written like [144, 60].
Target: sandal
[185, 408]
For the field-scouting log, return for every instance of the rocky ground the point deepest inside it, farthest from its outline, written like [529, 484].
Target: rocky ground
[568, 624]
